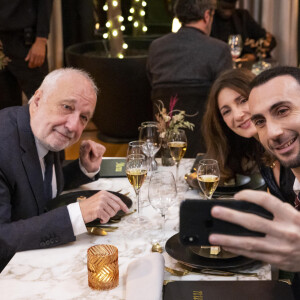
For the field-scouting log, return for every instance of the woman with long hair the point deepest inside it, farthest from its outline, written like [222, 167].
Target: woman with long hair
[231, 137]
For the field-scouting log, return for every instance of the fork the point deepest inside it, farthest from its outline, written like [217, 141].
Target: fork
[207, 272]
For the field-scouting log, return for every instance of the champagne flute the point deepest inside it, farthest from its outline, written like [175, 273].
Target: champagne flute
[208, 176]
[136, 171]
[162, 194]
[149, 134]
[236, 46]
[177, 143]
[135, 147]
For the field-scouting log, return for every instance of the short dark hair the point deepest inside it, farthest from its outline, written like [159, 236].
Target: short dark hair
[188, 11]
[267, 75]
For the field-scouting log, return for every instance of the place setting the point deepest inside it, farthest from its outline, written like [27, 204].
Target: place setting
[188, 257]
[162, 191]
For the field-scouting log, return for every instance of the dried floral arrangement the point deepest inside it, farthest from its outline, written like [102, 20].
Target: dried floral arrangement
[172, 120]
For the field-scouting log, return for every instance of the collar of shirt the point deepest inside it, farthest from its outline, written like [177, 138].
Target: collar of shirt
[41, 150]
[296, 186]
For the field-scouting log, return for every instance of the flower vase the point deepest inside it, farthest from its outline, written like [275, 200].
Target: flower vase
[166, 158]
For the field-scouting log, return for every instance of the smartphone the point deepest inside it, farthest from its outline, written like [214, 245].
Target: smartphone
[196, 222]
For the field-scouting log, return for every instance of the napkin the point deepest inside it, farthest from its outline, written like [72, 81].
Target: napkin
[145, 278]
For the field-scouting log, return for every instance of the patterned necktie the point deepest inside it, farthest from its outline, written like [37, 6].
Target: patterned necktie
[49, 160]
[297, 202]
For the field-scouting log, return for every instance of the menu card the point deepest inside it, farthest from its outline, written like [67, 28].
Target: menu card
[228, 290]
[113, 167]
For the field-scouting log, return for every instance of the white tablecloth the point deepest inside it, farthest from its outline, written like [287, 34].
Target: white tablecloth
[61, 272]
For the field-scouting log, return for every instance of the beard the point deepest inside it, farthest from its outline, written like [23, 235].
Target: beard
[291, 159]
[293, 163]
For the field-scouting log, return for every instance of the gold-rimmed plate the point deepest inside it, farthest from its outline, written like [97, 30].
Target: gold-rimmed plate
[184, 255]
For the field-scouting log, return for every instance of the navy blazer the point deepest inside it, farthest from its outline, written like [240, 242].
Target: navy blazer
[24, 223]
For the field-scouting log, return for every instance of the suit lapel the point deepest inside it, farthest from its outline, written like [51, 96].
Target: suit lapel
[30, 157]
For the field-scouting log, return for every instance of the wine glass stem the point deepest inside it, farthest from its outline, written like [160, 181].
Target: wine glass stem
[149, 163]
[137, 192]
[177, 168]
[163, 225]
[152, 164]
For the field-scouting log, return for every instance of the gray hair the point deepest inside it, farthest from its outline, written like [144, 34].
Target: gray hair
[50, 81]
[188, 11]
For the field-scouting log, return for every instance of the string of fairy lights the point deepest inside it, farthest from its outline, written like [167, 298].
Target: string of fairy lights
[136, 17]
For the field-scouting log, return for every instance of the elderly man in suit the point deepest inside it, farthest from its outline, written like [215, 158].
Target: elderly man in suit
[186, 63]
[30, 169]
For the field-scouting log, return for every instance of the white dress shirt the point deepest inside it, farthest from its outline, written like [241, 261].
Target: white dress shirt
[296, 186]
[73, 208]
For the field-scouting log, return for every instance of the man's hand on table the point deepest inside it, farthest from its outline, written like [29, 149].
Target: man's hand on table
[281, 245]
[102, 205]
[90, 155]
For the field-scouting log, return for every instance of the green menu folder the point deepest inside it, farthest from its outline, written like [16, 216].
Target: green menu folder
[113, 167]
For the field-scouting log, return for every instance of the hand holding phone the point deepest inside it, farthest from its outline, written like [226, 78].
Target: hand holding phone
[196, 222]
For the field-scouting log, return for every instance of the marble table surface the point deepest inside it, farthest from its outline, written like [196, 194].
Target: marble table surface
[61, 272]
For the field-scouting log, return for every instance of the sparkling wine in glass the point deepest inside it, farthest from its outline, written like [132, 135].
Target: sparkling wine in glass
[136, 171]
[208, 176]
[236, 46]
[162, 194]
[149, 135]
[177, 144]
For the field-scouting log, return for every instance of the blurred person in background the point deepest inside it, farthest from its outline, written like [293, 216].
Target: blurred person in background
[230, 20]
[24, 30]
[186, 63]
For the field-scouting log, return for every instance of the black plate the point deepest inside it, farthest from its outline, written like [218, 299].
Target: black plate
[255, 182]
[185, 256]
[71, 197]
[240, 181]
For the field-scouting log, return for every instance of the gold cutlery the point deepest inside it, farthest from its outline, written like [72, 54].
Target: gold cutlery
[108, 227]
[207, 272]
[101, 230]
[157, 248]
[96, 231]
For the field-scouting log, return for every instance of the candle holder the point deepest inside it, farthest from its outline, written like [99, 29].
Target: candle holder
[103, 268]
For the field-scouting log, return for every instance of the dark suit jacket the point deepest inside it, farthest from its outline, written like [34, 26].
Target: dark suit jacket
[185, 64]
[24, 224]
[187, 58]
